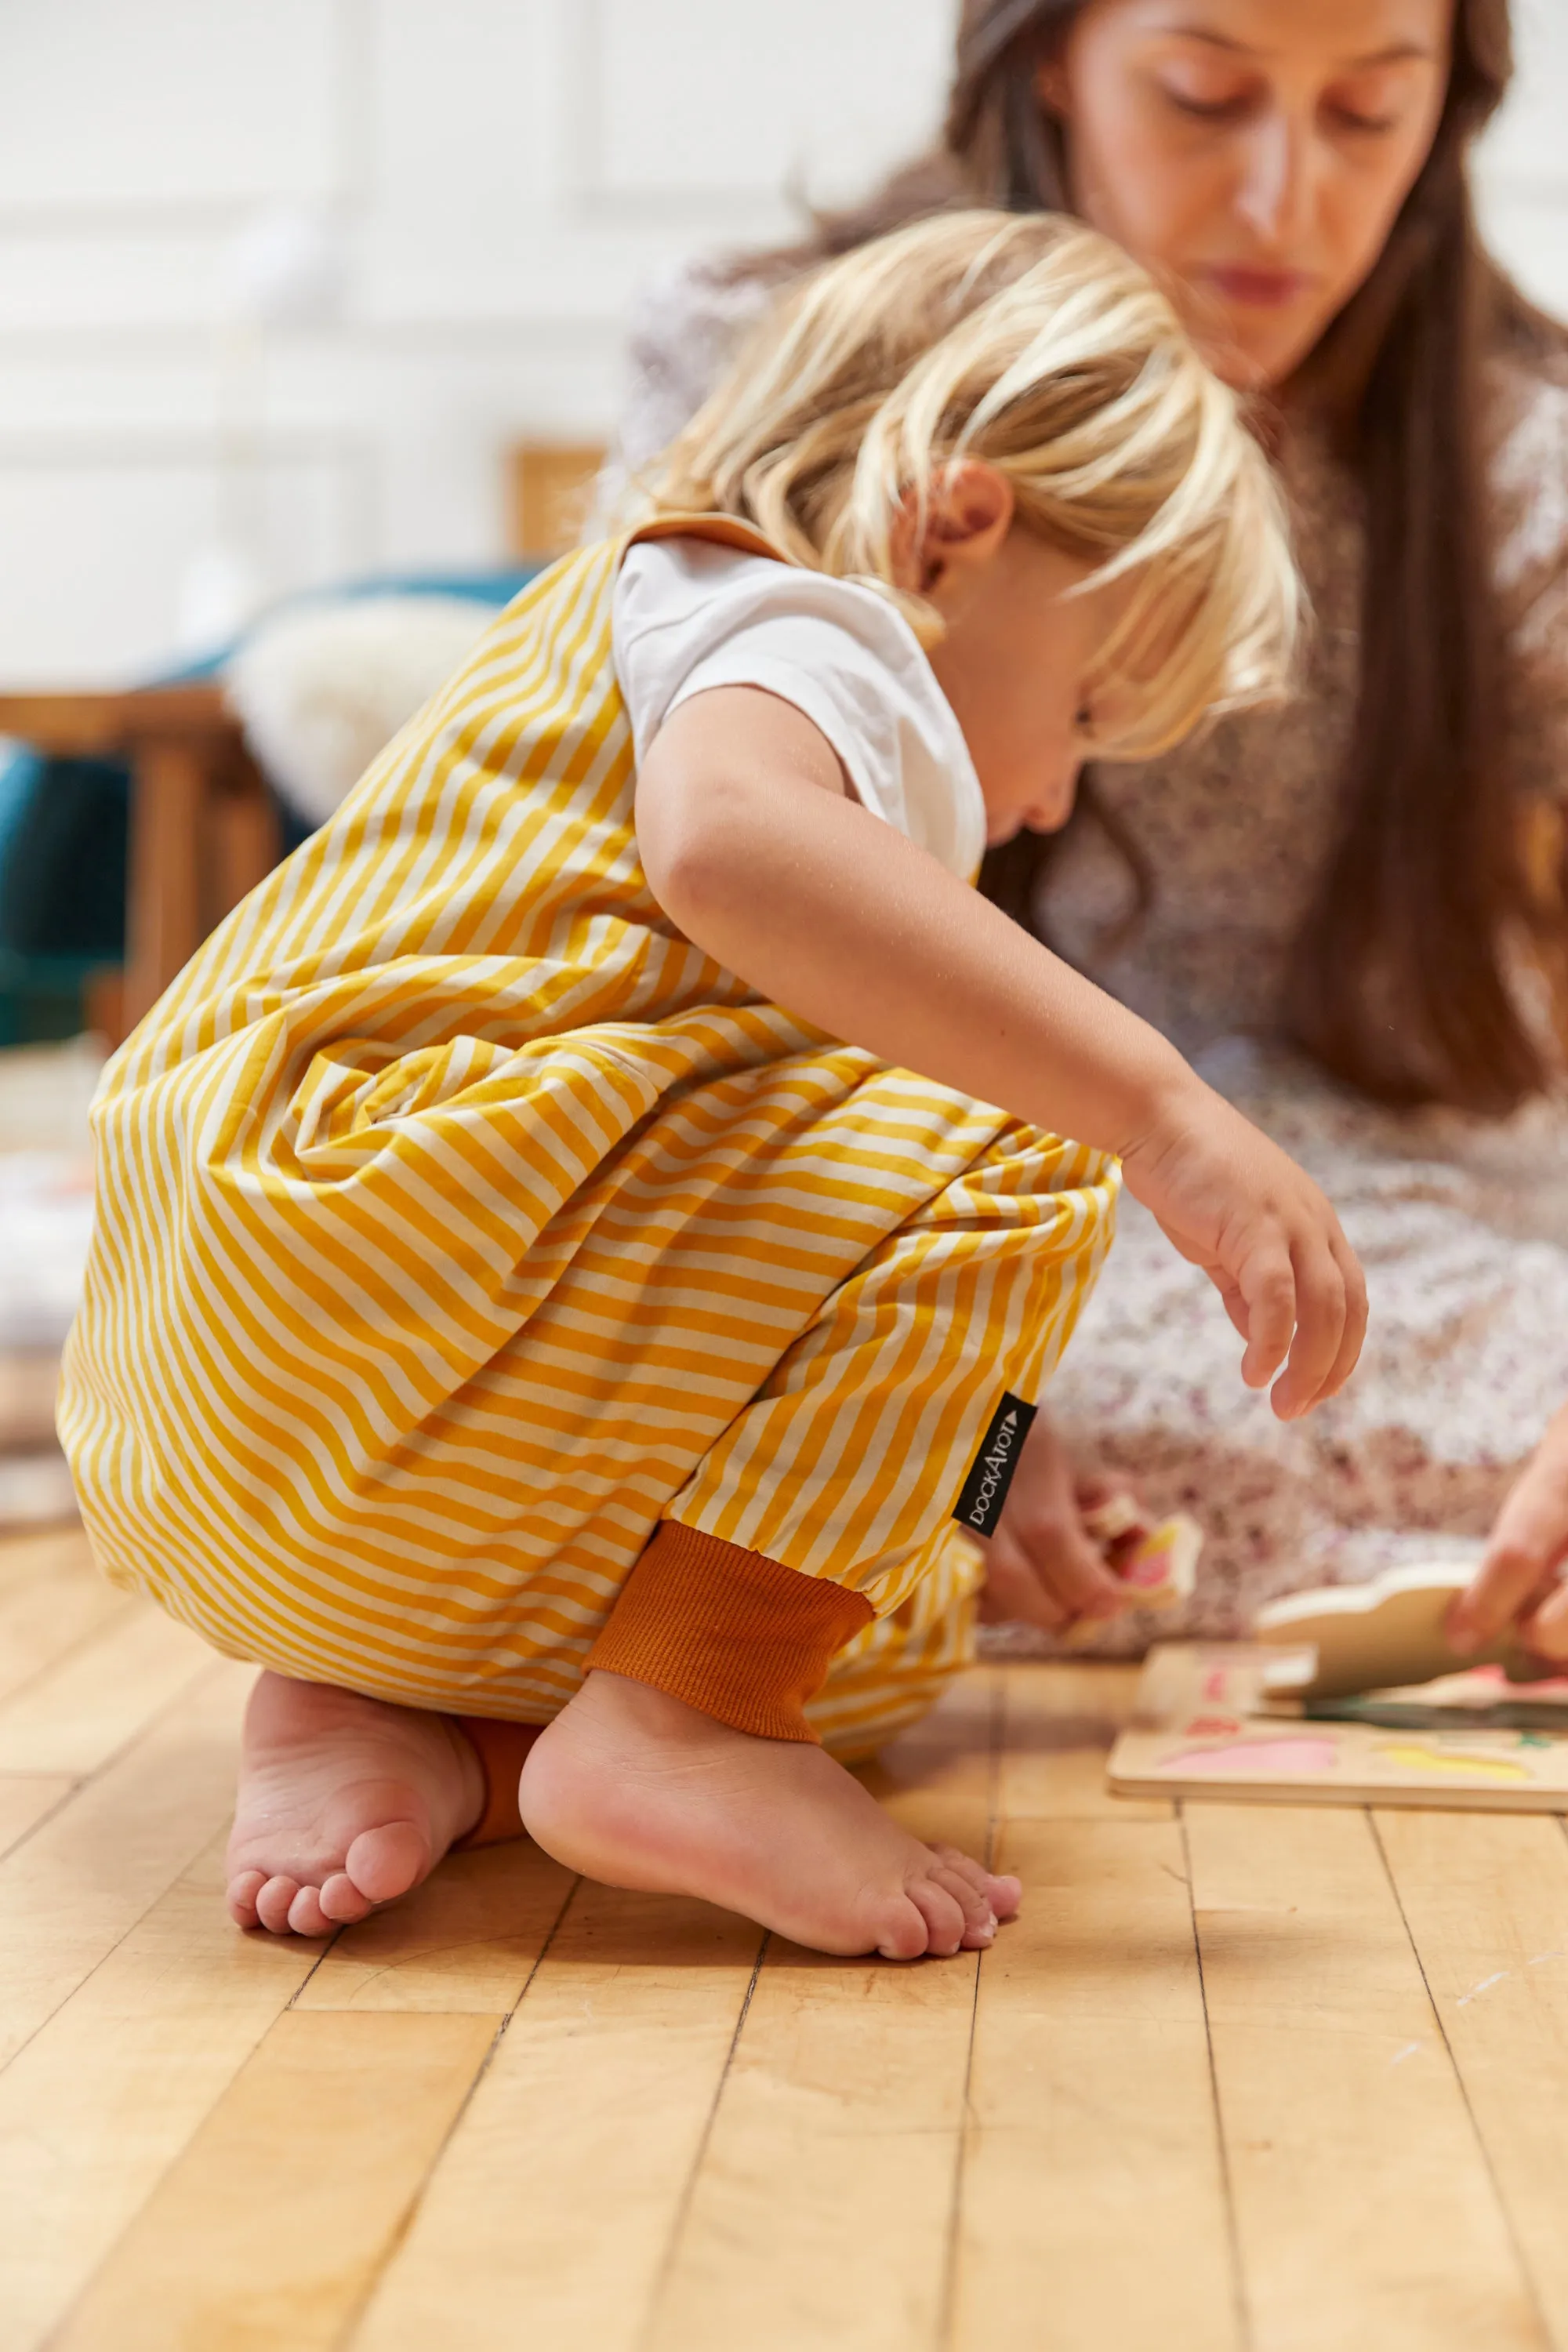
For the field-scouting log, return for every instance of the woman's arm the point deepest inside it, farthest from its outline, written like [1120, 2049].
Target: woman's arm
[751, 845]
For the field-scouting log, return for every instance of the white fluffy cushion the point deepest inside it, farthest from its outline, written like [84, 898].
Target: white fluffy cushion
[321, 689]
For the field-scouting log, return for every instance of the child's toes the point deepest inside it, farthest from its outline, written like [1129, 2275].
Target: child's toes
[979, 1919]
[306, 1916]
[902, 1929]
[1007, 1895]
[272, 1900]
[342, 1902]
[243, 1890]
[942, 1911]
[385, 1863]
[1002, 1897]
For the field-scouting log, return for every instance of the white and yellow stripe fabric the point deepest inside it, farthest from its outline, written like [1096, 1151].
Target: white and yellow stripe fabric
[460, 1219]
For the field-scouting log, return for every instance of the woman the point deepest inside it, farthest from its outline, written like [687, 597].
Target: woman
[1352, 911]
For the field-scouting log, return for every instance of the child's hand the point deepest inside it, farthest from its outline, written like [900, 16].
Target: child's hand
[1043, 1567]
[1517, 1581]
[1233, 1202]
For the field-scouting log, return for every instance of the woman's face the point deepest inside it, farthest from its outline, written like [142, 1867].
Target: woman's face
[1253, 153]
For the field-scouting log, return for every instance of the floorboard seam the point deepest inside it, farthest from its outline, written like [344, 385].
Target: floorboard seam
[947, 2311]
[130, 1929]
[406, 2220]
[1244, 2322]
[44, 1820]
[186, 1691]
[63, 1658]
[1525, 2272]
[683, 2210]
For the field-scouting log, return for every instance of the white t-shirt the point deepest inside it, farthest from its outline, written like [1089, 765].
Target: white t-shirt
[689, 614]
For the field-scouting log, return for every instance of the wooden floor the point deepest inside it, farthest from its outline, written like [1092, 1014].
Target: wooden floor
[1287, 2080]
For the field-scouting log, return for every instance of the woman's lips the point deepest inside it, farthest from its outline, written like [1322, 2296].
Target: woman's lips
[1260, 289]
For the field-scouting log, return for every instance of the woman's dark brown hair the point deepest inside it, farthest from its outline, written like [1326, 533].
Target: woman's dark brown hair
[1399, 982]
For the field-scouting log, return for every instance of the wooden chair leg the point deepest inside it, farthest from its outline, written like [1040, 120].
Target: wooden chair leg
[169, 778]
[247, 843]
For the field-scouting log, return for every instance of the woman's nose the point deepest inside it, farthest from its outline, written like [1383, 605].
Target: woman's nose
[1276, 194]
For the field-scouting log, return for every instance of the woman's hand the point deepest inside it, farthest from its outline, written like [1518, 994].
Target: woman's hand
[1043, 1567]
[1519, 1581]
[1233, 1204]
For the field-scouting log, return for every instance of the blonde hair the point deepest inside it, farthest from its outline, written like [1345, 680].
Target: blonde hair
[1030, 343]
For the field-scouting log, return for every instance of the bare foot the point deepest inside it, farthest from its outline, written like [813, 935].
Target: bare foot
[344, 1803]
[636, 1788]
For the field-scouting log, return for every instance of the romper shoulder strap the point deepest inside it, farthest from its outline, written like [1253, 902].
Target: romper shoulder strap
[726, 530]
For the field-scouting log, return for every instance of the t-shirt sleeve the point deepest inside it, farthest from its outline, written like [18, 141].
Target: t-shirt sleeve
[690, 616]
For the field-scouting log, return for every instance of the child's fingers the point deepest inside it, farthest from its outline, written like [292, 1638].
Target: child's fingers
[1267, 1287]
[1320, 1310]
[1356, 1312]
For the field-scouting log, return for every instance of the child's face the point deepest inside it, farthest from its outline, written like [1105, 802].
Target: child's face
[1019, 649]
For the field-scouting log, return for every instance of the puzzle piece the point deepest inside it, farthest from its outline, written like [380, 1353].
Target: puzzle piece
[1378, 1636]
[1161, 1564]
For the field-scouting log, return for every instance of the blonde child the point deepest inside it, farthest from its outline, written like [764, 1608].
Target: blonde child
[582, 1245]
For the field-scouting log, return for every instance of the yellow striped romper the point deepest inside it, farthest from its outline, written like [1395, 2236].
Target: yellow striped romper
[463, 1229]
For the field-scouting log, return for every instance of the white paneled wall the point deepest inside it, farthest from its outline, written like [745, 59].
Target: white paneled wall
[498, 175]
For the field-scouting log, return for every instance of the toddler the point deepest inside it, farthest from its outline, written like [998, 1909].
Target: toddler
[581, 1246]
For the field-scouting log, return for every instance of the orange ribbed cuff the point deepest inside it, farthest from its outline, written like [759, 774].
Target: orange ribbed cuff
[731, 1632]
[500, 1749]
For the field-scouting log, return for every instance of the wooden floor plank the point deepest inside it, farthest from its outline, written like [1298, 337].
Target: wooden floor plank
[1365, 2212]
[468, 1940]
[938, 1779]
[951, 1752]
[555, 2202]
[1093, 2214]
[40, 1552]
[820, 2215]
[42, 1617]
[25, 1800]
[1060, 1723]
[78, 1884]
[84, 1710]
[106, 2096]
[1485, 1900]
[271, 2227]
[821, 2211]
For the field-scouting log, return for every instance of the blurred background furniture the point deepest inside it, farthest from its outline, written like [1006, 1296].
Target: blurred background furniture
[550, 492]
[203, 828]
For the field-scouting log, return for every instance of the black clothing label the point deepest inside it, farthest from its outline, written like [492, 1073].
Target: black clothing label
[986, 1489]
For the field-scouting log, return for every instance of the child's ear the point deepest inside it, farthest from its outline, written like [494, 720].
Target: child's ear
[971, 510]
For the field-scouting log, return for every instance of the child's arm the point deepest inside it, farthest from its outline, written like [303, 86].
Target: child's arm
[750, 845]
[1517, 1583]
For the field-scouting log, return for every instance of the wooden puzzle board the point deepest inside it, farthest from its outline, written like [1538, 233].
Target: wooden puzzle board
[1202, 1727]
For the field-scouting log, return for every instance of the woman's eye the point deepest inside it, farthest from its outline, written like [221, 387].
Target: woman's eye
[1350, 118]
[1227, 108]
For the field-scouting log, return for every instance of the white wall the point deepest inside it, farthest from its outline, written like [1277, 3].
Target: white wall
[501, 174]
